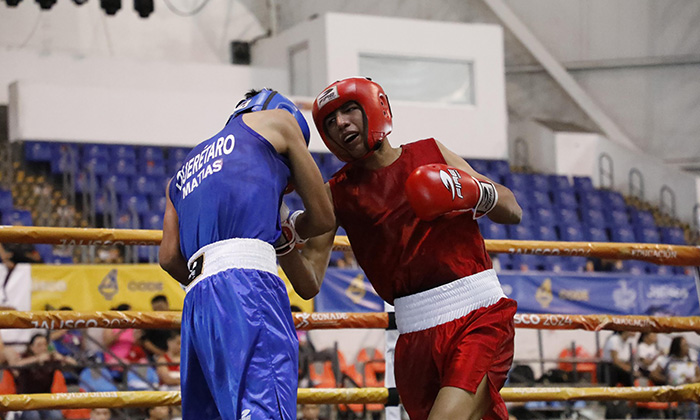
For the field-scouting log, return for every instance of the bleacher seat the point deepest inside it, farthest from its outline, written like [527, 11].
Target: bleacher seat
[618, 218]
[147, 185]
[567, 217]
[593, 217]
[147, 153]
[125, 220]
[479, 165]
[672, 235]
[596, 234]
[541, 199]
[546, 233]
[65, 159]
[574, 264]
[96, 380]
[120, 184]
[517, 181]
[152, 220]
[565, 199]
[124, 152]
[523, 196]
[634, 266]
[545, 216]
[499, 167]
[649, 235]
[622, 234]
[490, 230]
[613, 200]
[571, 233]
[124, 167]
[96, 150]
[527, 262]
[642, 219]
[135, 202]
[583, 183]
[6, 202]
[98, 165]
[153, 167]
[590, 199]
[521, 232]
[83, 180]
[38, 151]
[559, 183]
[158, 203]
[17, 217]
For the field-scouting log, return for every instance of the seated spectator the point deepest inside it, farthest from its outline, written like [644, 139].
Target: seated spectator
[647, 353]
[155, 341]
[158, 413]
[39, 366]
[311, 412]
[169, 375]
[681, 370]
[68, 342]
[122, 345]
[616, 366]
[100, 414]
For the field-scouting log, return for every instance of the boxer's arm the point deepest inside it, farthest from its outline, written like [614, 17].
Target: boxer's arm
[306, 267]
[507, 210]
[169, 255]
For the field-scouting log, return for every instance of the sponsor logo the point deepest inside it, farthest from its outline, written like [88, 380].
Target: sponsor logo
[49, 286]
[623, 296]
[109, 286]
[356, 291]
[321, 319]
[544, 293]
[145, 286]
[576, 295]
[246, 414]
[451, 182]
[666, 292]
[327, 96]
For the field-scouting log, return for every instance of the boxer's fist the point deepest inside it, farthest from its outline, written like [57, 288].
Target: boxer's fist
[437, 189]
[289, 238]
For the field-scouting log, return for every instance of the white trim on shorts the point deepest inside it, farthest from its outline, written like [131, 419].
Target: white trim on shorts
[448, 302]
[234, 253]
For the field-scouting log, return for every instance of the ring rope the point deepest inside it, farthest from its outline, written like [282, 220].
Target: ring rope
[655, 253]
[690, 392]
[339, 320]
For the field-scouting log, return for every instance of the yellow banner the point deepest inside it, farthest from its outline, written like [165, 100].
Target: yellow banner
[103, 287]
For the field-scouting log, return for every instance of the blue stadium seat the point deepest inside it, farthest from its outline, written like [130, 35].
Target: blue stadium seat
[490, 230]
[178, 153]
[618, 218]
[521, 231]
[134, 202]
[96, 150]
[590, 199]
[545, 216]
[153, 167]
[124, 152]
[642, 219]
[574, 264]
[144, 184]
[150, 153]
[479, 165]
[594, 217]
[559, 183]
[17, 217]
[524, 197]
[567, 217]
[46, 252]
[126, 221]
[65, 159]
[649, 235]
[38, 151]
[541, 199]
[124, 167]
[634, 266]
[518, 181]
[565, 199]
[613, 200]
[500, 167]
[152, 220]
[673, 236]
[622, 234]
[120, 184]
[596, 234]
[546, 233]
[158, 203]
[540, 182]
[6, 202]
[583, 183]
[82, 182]
[97, 164]
[571, 233]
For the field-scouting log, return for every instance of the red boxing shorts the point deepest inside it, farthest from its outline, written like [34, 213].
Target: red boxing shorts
[458, 352]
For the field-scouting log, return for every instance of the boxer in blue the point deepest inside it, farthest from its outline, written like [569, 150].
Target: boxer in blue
[221, 231]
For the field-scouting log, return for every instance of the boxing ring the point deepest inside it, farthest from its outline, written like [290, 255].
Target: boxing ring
[655, 253]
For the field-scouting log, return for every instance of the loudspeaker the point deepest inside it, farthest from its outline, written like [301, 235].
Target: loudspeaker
[240, 52]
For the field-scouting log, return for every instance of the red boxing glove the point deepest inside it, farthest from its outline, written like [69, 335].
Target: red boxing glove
[437, 189]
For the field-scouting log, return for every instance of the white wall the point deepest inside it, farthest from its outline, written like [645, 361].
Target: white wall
[476, 131]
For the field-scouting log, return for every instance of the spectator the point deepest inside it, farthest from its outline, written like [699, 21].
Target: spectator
[158, 413]
[310, 412]
[100, 414]
[122, 345]
[39, 366]
[68, 342]
[681, 370]
[169, 375]
[617, 356]
[155, 341]
[647, 352]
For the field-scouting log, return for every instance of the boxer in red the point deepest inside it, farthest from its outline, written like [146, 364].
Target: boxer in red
[410, 215]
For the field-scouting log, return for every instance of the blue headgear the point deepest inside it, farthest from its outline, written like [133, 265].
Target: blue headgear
[271, 99]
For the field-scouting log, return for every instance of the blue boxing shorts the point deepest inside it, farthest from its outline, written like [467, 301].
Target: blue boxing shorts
[239, 355]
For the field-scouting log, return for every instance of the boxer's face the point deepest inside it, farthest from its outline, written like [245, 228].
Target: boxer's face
[346, 127]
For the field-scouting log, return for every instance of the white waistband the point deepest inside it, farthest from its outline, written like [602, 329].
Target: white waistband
[448, 302]
[233, 253]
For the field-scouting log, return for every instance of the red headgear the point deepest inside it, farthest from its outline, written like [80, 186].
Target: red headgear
[373, 101]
